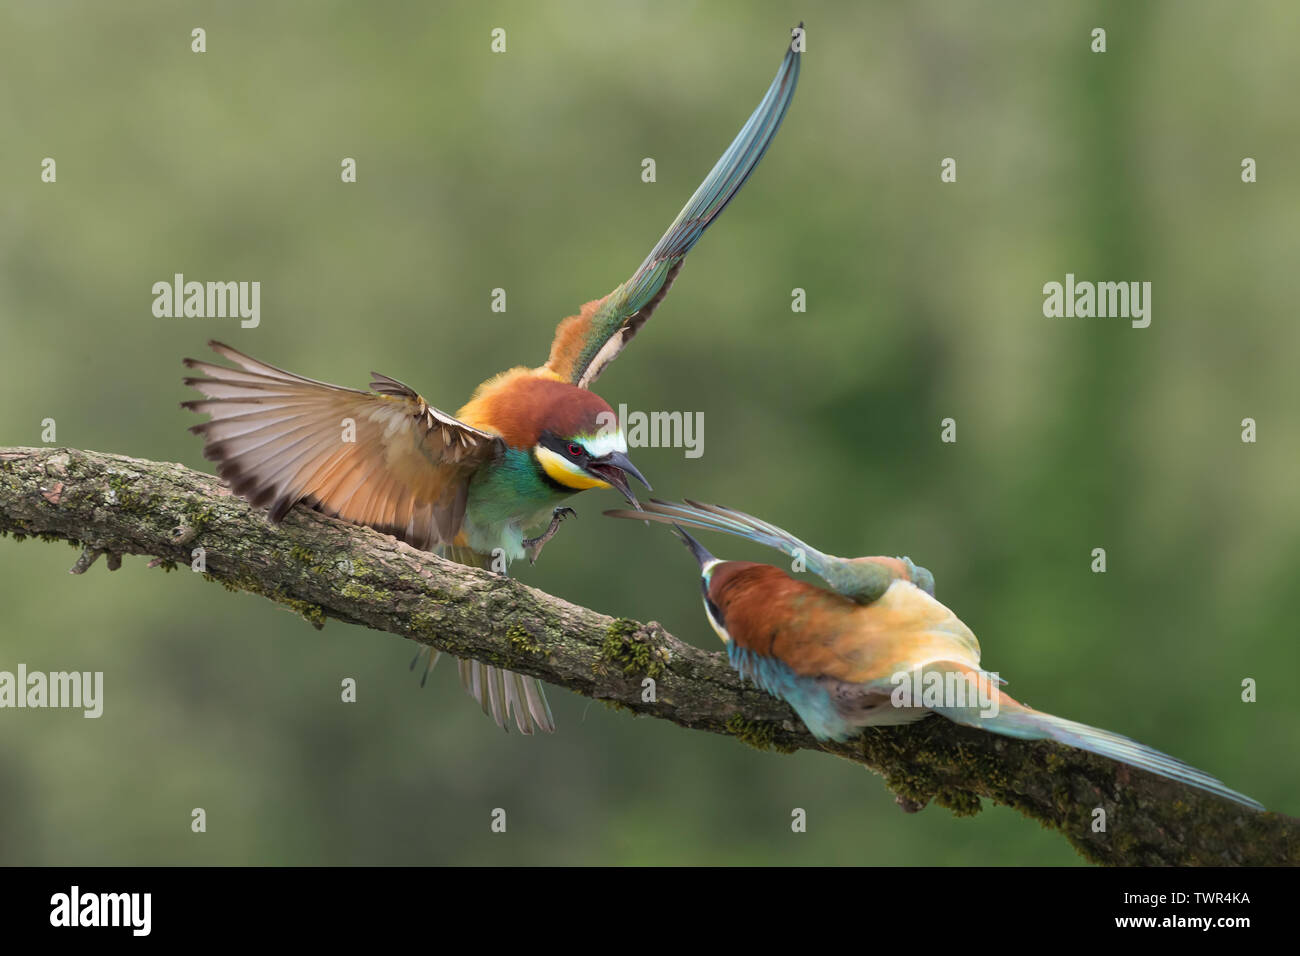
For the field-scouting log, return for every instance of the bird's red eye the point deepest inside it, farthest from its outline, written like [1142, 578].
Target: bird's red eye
[575, 450]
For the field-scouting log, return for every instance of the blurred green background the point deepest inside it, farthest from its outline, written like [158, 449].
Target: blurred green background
[522, 171]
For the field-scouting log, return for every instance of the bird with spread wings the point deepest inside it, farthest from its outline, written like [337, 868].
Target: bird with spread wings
[469, 486]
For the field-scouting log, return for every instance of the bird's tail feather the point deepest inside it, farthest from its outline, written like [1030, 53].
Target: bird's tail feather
[501, 693]
[1014, 719]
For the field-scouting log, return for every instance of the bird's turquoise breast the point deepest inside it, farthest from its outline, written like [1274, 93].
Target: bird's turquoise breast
[505, 499]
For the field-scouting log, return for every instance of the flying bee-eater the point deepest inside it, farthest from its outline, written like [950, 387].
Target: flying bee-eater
[874, 649]
[469, 486]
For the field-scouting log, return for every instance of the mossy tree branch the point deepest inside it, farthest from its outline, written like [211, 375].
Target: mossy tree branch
[322, 568]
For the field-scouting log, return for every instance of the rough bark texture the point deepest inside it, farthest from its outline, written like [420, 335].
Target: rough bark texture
[323, 568]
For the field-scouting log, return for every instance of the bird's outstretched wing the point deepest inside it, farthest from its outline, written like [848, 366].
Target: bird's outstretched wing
[385, 459]
[861, 579]
[587, 342]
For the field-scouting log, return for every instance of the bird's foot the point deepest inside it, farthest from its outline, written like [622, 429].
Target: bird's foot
[533, 546]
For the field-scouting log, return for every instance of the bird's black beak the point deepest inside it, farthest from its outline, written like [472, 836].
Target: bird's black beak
[697, 549]
[613, 468]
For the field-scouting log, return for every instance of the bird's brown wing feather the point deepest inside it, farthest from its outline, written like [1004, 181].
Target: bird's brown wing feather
[279, 438]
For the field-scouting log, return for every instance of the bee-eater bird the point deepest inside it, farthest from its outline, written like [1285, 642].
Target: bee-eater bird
[876, 649]
[471, 485]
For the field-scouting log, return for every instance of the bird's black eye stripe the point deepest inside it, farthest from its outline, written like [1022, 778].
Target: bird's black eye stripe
[569, 449]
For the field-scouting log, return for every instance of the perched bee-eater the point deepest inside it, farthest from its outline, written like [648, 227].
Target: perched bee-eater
[875, 649]
[471, 485]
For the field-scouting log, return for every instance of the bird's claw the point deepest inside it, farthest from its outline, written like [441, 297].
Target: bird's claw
[533, 546]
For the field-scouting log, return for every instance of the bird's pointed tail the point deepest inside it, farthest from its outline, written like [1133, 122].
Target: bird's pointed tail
[501, 693]
[1013, 719]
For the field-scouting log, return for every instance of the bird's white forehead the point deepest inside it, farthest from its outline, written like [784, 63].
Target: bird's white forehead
[604, 442]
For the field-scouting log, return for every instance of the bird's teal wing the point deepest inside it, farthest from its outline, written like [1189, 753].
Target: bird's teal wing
[587, 342]
[862, 579]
